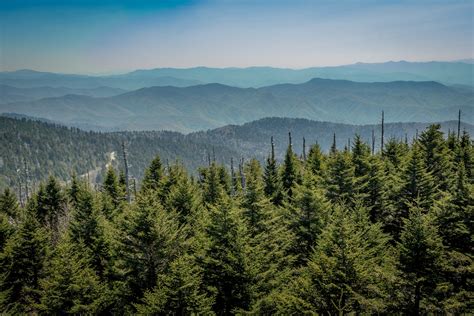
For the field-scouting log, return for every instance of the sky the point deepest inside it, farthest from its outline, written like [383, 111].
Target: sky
[104, 37]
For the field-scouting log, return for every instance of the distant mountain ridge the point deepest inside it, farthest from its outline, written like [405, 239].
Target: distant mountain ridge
[201, 107]
[450, 73]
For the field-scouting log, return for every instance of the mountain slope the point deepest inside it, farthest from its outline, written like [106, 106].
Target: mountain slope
[209, 106]
[10, 94]
[58, 150]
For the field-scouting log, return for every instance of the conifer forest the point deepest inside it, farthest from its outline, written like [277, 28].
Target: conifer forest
[236, 157]
[344, 231]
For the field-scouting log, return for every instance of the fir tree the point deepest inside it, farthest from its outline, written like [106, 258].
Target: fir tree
[436, 156]
[86, 229]
[255, 205]
[271, 179]
[420, 255]
[290, 173]
[340, 178]
[349, 271]
[50, 207]
[226, 270]
[22, 267]
[70, 285]
[178, 292]
[153, 175]
[149, 240]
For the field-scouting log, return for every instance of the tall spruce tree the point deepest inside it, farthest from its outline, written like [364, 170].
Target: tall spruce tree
[350, 270]
[271, 178]
[420, 258]
[70, 286]
[226, 266]
[21, 267]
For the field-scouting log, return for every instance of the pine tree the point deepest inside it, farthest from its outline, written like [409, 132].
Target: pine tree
[70, 285]
[255, 205]
[86, 229]
[350, 270]
[307, 215]
[73, 189]
[21, 267]
[436, 156]
[418, 183]
[50, 207]
[340, 178]
[178, 292]
[153, 175]
[290, 173]
[111, 187]
[316, 162]
[271, 179]
[211, 183]
[9, 204]
[184, 198]
[149, 239]
[226, 270]
[420, 255]
[9, 214]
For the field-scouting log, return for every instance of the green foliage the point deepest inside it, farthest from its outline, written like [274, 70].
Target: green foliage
[22, 267]
[226, 266]
[70, 285]
[420, 260]
[347, 231]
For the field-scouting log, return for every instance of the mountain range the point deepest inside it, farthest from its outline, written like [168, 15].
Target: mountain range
[449, 73]
[201, 107]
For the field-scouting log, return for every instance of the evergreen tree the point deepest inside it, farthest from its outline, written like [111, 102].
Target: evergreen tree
[149, 239]
[178, 292]
[436, 156]
[86, 229]
[307, 215]
[70, 285]
[50, 207]
[290, 173]
[9, 213]
[273, 189]
[211, 183]
[350, 270]
[153, 175]
[184, 198]
[73, 189]
[9, 204]
[420, 255]
[111, 187]
[21, 267]
[226, 270]
[316, 162]
[418, 184]
[340, 178]
[255, 205]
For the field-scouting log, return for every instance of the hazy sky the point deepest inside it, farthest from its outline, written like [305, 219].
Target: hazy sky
[93, 36]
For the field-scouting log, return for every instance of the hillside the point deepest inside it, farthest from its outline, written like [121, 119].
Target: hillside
[58, 150]
[208, 106]
[10, 94]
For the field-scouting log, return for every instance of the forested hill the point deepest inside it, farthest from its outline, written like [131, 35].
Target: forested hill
[47, 148]
[202, 107]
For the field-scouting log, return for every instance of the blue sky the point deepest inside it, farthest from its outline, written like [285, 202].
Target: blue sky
[89, 36]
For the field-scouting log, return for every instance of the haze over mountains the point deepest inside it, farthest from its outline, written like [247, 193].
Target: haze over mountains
[213, 105]
[450, 73]
[188, 100]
